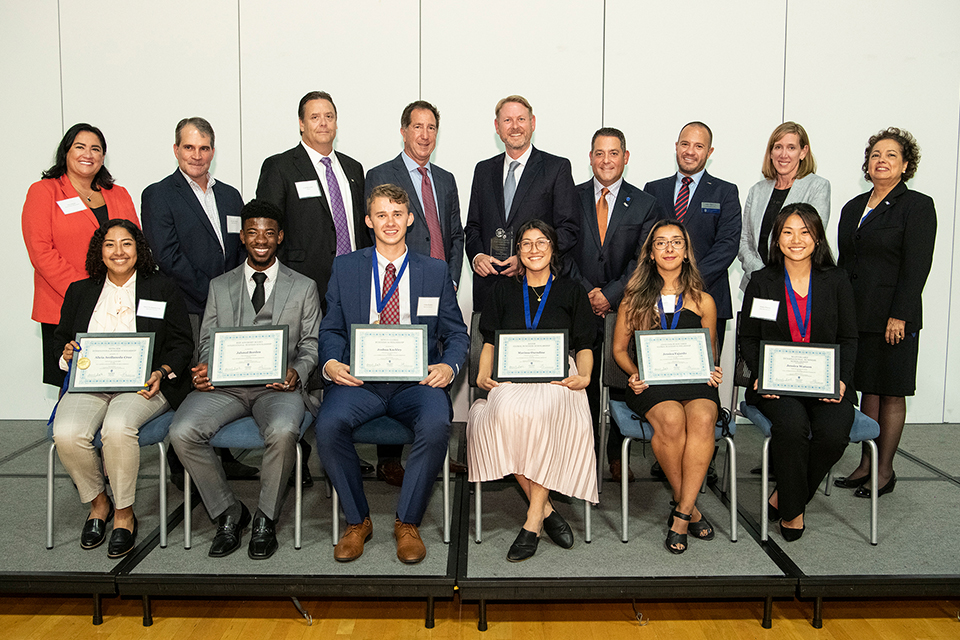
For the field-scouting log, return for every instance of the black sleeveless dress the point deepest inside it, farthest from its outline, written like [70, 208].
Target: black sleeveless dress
[655, 394]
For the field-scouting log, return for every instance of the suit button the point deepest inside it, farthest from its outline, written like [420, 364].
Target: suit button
[854, 276]
[858, 236]
[601, 258]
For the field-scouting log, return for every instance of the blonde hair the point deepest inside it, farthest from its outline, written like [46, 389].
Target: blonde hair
[514, 98]
[807, 166]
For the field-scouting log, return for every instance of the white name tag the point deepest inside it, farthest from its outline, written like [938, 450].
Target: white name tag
[308, 189]
[669, 303]
[151, 308]
[71, 205]
[233, 224]
[765, 309]
[427, 306]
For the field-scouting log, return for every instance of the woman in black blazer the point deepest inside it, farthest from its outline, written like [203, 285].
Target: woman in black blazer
[886, 239]
[812, 301]
[124, 293]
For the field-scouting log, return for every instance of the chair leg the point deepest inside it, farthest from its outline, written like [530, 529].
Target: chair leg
[187, 510]
[604, 430]
[731, 480]
[624, 455]
[873, 492]
[298, 499]
[335, 516]
[587, 537]
[764, 489]
[446, 497]
[829, 482]
[163, 497]
[478, 509]
[50, 465]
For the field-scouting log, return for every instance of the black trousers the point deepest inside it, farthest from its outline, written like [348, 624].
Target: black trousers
[808, 438]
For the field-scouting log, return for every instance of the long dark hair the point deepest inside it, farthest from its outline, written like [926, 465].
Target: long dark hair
[96, 268]
[821, 258]
[548, 231]
[103, 179]
[643, 289]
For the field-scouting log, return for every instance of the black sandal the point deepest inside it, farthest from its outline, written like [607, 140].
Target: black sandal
[674, 538]
[701, 530]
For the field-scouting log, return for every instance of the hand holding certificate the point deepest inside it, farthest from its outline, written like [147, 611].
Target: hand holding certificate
[111, 362]
[246, 356]
[678, 356]
[388, 352]
[531, 356]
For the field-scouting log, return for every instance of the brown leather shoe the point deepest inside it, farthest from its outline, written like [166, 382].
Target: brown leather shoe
[458, 467]
[391, 472]
[616, 470]
[350, 546]
[410, 549]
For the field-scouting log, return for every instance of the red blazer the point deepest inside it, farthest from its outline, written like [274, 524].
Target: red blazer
[57, 243]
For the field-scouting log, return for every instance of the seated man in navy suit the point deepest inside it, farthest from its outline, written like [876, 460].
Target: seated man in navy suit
[411, 289]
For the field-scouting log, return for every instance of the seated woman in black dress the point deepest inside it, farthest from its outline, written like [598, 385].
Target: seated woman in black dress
[666, 292]
[807, 300]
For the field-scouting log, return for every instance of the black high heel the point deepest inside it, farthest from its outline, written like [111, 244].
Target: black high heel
[864, 491]
[791, 535]
[846, 482]
[702, 529]
[674, 538]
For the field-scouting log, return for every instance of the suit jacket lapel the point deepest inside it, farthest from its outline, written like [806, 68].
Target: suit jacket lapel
[440, 187]
[404, 181]
[185, 192]
[704, 190]
[885, 204]
[621, 208]
[280, 293]
[416, 286]
[496, 189]
[364, 286]
[530, 174]
[586, 199]
[237, 289]
[309, 173]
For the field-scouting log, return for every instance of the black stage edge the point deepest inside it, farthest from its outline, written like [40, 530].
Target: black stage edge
[95, 585]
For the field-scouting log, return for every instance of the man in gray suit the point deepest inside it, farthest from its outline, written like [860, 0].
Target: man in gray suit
[436, 231]
[259, 292]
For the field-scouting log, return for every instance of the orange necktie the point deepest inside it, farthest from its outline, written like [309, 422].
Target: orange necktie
[602, 213]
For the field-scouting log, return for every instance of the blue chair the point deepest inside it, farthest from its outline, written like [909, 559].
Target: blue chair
[388, 431]
[633, 428]
[864, 429]
[153, 432]
[245, 434]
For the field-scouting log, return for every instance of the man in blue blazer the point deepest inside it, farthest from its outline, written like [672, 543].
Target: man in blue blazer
[511, 188]
[712, 215]
[615, 220]
[411, 289]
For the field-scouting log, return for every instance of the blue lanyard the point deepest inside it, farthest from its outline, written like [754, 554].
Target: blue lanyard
[382, 302]
[677, 308]
[543, 302]
[796, 307]
[63, 390]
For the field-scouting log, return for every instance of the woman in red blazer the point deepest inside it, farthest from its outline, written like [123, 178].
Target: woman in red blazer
[60, 214]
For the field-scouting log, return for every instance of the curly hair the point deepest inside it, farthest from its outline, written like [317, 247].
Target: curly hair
[97, 269]
[643, 289]
[822, 258]
[909, 149]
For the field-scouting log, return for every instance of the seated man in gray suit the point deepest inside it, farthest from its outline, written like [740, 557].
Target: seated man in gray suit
[436, 231]
[259, 292]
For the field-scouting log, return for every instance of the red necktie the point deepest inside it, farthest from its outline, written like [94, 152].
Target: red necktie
[683, 198]
[430, 212]
[391, 311]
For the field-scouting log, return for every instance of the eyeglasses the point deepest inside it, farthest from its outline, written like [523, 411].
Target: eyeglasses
[542, 244]
[676, 243]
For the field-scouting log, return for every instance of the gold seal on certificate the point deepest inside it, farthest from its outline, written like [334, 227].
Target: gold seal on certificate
[799, 369]
[247, 356]
[112, 362]
[388, 352]
[531, 356]
[677, 356]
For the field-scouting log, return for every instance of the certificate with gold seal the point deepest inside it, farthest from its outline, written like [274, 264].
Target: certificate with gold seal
[247, 356]
[388, 352]
[111, 362]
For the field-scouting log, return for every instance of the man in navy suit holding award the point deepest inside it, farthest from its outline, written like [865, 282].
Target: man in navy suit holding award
[410, 289]
[615, 220]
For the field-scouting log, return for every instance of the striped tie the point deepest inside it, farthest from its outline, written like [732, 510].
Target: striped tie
[683, 198]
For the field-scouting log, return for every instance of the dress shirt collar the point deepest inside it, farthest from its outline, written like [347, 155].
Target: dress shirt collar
[271, 272]
[316, 156]
[696, 179]
[523, 160]
[192, 182]
[412, 166]
[614, 189]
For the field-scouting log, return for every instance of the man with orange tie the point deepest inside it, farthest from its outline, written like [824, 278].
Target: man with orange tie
[616, 218]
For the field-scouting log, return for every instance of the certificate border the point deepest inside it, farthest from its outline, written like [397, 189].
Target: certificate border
[355, 368]
[522, 379]
[763, 390]
[642, 337]
[215, 332]
[150, 335]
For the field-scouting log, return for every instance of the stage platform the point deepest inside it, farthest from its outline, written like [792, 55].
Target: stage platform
[834, 559]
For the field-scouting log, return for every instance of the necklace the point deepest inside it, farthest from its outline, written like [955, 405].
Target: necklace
[538, 294]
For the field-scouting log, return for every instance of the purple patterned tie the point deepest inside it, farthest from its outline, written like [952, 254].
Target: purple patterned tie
[683, 198]
[336, 206]
[430, 213]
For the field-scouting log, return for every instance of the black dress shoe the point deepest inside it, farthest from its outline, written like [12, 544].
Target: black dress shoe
[791, 535]
[851, 483]
[523, 547]
[229, 532]
[263, 538]
[773, 513]
[657, 472]
[122, 541]
[94, 531]
[366, 469]
[864, 491]
[558, 530]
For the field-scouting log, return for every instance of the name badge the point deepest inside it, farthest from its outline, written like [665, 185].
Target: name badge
[71, 205]
[308, 189]
[151, 308]
[710, 207]
[428, 306]
[233, 224]
[765, 309]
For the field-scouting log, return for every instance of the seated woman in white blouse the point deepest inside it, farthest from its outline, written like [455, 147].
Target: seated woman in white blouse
[124, 294]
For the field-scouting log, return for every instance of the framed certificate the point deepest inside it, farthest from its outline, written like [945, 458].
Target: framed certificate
[388, 352]
[111, 362]
[799, 369]
[247, 356]
[678, 356]
[531, 356]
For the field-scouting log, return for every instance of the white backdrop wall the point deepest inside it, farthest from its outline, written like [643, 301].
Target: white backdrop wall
[843, 70]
